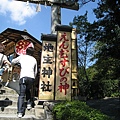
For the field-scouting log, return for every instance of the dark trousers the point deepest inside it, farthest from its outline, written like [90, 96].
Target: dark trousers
[25, 84]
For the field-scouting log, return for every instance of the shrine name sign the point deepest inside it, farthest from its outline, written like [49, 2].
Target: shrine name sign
[55, 73]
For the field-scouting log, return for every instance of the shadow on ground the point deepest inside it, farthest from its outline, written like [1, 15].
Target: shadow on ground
[108, 106]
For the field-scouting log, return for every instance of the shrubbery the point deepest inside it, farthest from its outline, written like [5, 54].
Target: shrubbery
[77, 110]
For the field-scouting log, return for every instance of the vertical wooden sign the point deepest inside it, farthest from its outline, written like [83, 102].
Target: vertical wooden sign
[47, 72]
[63, 63]
[74, 64]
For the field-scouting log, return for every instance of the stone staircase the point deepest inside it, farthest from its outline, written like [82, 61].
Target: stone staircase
[8, 107]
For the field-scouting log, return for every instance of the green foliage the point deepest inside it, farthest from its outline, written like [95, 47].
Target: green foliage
[99, 42]
[99, 89]
[110, 88]
[77, 110]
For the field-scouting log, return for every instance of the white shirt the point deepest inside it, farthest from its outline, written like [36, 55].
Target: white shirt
[28, 65]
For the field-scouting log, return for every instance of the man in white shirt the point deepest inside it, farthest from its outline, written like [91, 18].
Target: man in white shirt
[27, 77]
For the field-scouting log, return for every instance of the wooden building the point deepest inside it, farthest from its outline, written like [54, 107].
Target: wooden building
[10, 38]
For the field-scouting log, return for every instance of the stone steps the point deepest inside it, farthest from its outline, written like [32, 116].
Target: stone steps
[8, 103]
[7, 90]
[9, 97]
[8, 107]
[14, 117]
[13, 110]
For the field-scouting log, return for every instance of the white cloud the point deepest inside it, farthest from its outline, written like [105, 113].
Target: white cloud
[17, 11]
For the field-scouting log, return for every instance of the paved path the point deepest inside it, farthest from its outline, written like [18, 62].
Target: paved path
[108, 106]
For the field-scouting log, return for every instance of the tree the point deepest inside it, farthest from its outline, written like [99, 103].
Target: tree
[104, 36]
[85, 50]
[107, 36]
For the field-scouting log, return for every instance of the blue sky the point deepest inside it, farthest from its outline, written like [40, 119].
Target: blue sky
[18, 15]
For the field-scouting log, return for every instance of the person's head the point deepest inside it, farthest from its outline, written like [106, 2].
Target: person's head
[30, 51]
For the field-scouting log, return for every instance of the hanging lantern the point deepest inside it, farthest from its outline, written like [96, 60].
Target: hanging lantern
[22, 45]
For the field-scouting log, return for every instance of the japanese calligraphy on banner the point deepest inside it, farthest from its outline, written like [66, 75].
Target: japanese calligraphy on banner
[47, 72]
[22, 45]
[63, 66]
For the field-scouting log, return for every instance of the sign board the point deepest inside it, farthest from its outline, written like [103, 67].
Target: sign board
[22, 45]
[63, 66]
[47, 72]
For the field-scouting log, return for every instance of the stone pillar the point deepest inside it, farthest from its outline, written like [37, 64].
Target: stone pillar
[55, 17]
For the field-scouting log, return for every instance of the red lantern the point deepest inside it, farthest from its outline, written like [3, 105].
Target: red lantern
[22, 45]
